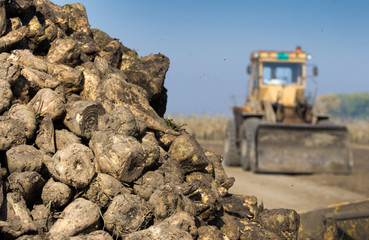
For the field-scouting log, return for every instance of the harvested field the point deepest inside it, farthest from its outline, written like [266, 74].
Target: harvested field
[211, 128]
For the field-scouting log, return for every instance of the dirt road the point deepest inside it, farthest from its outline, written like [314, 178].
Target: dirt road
[302, 192]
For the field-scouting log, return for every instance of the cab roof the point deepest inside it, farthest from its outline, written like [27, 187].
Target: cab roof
[292, 56]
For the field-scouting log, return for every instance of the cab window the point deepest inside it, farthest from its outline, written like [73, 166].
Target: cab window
[281, 73]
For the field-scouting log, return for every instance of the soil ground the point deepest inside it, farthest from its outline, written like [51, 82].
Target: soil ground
[302, 192]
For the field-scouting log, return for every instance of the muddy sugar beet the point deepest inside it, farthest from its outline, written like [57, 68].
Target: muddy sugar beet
[85, 152]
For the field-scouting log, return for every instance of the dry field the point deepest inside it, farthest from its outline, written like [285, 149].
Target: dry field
[206, 128]
[211, 128]
[359, 131]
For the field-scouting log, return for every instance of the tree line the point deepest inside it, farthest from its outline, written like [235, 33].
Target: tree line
[349, 105]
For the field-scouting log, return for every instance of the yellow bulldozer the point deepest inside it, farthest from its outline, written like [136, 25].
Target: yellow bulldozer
[278, 129]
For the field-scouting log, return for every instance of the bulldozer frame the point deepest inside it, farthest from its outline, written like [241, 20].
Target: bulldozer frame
[278, 130]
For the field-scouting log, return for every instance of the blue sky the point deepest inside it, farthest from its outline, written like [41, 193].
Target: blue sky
[209, 42]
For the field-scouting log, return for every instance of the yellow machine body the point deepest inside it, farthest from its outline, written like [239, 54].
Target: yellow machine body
[291, 136]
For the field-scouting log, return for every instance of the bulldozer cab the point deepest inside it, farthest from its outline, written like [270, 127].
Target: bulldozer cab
[278, 79]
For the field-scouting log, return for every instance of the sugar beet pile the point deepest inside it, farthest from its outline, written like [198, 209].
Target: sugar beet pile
[85, 152]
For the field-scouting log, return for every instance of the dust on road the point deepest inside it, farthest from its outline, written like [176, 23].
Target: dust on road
[302, 192]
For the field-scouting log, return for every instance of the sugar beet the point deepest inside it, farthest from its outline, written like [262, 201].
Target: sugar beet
[23, 158]
[64, 87]
[73, 165]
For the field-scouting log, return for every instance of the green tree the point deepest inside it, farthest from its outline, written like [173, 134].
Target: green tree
[351, 105]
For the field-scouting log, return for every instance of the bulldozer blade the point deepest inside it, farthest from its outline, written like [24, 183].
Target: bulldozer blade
[302, 148]
[351, 221]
